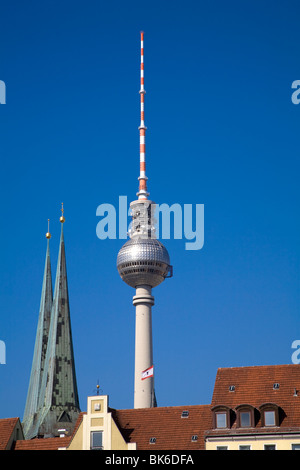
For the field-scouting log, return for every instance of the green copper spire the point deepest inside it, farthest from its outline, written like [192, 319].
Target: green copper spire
[40, 347]
[58, 403]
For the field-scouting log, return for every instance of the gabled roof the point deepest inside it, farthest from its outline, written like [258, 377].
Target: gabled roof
[7, 428]
[165, 425]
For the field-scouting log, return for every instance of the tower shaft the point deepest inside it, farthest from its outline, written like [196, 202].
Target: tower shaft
[143, 386]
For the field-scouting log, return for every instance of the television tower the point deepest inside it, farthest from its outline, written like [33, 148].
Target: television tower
[143, 263]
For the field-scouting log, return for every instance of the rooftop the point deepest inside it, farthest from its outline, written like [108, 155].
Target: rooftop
[7, 427]
[165, 427]
[186, 427]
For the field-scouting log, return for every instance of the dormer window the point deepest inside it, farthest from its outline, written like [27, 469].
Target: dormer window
[221, 417]
[269, 414]
[245, 416]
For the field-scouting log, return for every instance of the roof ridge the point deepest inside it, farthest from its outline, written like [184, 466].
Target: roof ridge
[257, 366]
[3, 419]
[159, 408]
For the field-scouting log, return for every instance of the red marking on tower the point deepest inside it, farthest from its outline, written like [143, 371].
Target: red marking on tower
[142, 194]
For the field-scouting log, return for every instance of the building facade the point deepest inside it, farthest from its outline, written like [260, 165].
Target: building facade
[97, 430]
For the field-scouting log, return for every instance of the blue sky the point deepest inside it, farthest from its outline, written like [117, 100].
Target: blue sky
[221, 131]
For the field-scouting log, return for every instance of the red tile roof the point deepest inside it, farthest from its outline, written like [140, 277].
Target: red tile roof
[50, 443]
[255, 386]
[7, 427]
[166, 425]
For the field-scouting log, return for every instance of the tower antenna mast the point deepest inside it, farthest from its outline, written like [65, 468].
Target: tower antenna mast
[142, 194]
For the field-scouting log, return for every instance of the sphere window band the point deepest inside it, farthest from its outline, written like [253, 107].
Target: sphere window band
[143, 261]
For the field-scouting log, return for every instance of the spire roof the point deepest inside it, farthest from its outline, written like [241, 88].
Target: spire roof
[60, 345]
[58, 403]
[40, 347]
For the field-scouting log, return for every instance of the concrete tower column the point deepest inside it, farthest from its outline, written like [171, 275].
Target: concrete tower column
[143, 389]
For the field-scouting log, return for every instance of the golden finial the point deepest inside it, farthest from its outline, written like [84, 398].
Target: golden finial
[98, 388]
[62, 219]
[48, 234]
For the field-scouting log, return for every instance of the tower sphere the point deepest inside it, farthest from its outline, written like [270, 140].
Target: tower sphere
[143, 261]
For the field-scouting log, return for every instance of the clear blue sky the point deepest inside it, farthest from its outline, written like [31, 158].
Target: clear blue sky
[222, 131]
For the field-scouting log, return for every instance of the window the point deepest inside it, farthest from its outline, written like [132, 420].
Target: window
[194, 438]
[244, 447]
[245, 419]
[222, 448]
[185, 414]
[271, 414]
[269, 418]
[295, 446]
[221, 420]
[223, 417]
[152, 440]
[247, 416]
[269, 447]
[96, 440]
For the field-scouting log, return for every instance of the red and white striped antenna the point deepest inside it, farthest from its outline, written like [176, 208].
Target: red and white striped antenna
[142, 194]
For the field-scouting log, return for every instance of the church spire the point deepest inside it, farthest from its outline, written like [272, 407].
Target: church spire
[58, 405]
[40, 344]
